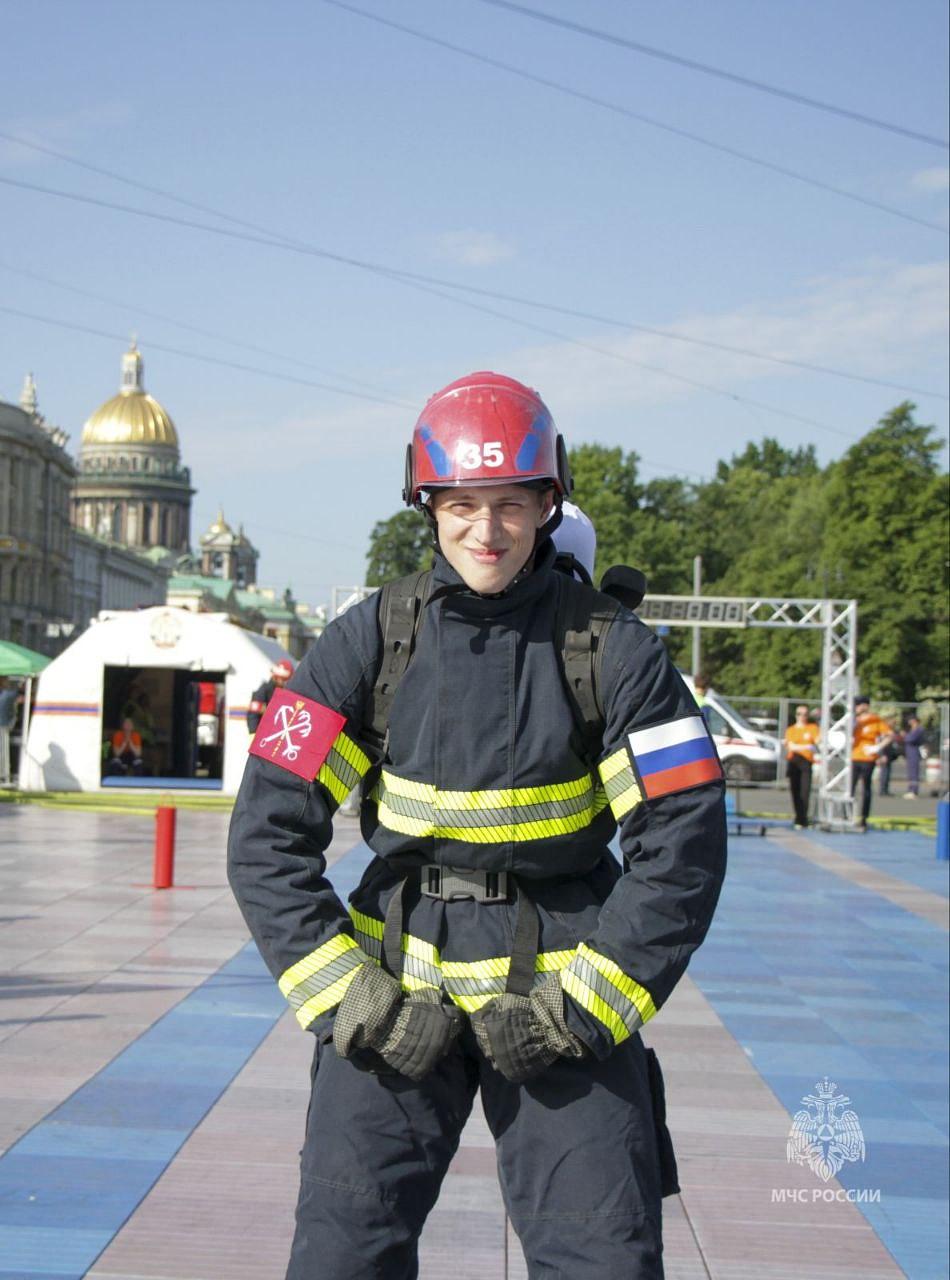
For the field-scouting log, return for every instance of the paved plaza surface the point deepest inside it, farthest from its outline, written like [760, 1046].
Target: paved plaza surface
[153, 1088]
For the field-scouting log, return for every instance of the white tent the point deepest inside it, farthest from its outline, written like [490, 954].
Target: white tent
[153, 661]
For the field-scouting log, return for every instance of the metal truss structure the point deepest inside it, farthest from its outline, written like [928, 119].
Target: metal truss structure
[838, 622]
[836, 619]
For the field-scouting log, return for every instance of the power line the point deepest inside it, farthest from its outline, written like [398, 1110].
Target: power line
[641, 118]
[691, 64]
[418, 280]
[205, 359]
[191, 328]
[652, 368]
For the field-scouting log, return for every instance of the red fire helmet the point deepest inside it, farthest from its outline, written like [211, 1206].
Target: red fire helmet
[484, 429]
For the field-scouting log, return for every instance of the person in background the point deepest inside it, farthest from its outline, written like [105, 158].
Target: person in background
[10, 696]
[701, 687]
[886, 759]
[913, 740]
[280, 673]
[801, 746]
[871, 736]
[126, 752]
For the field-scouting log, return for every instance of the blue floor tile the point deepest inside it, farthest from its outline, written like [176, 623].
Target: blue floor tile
[52, 1138]
[45, 1253]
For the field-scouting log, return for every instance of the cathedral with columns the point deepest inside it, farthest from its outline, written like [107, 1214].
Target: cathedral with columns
[131, 487]
[112, 529]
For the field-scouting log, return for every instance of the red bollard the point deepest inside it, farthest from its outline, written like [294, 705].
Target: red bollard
[163, 874]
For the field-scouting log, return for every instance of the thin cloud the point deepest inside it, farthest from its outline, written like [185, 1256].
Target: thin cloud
[473, 248]
[874, 321]
[61, 132]
[931, 179]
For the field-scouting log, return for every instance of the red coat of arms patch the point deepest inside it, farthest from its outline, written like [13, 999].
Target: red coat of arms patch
[296, 733]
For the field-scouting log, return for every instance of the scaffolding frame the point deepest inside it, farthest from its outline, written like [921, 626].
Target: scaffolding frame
[838, 622]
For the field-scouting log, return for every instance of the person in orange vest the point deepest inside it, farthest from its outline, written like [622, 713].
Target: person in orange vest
[126, 751]
[801, 748]
[871, 736]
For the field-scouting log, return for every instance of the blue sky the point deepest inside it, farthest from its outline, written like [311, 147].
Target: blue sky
[330, 129]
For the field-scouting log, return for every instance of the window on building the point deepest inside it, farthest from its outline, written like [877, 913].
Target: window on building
[117, 523]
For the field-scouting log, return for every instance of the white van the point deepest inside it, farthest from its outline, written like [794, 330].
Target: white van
[747, 754]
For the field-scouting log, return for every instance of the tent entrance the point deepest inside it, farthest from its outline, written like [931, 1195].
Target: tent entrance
[162, 727]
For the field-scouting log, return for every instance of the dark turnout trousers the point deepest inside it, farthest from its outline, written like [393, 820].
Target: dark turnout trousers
[579, 1158]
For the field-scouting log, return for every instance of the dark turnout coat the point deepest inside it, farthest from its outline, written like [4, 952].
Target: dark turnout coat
[486, 769]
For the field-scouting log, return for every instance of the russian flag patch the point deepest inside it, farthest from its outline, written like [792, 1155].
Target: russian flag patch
[674, 756]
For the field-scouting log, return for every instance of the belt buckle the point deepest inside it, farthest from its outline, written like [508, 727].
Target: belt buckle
[453, 884]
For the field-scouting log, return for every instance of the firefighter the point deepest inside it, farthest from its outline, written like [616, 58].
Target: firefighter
[280, 673]
[494, 943]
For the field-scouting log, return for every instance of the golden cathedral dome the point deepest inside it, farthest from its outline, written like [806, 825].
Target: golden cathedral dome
[133, 416]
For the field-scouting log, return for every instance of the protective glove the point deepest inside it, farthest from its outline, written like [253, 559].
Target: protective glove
[422, 1034]
[410, 1033]
[521, 1035]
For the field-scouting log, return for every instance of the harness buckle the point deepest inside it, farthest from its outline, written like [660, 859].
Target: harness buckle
[453, 883]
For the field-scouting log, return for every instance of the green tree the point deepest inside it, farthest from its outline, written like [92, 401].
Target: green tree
[397, 546]
[606, 489]
[886, 538]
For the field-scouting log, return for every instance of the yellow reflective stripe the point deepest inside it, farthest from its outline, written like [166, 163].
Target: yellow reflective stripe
[326, 999]
[592, 1002]
[343, 768]
[603, 989]
[337, 789]
[317, 982]
[472, 983]
[620, 783]
[367, 924]
[314, 962]
[502, 798]
[613, 765]
[468, 983]
[510, 831]
[626, 985]
[354, 755]
[497, 966]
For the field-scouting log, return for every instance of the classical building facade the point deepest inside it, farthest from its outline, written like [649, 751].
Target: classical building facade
[131, 487]
[226, 554]
[36, 475]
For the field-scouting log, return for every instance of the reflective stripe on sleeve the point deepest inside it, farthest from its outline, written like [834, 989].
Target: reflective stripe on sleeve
[488, 817]
[344, 768]
[604, 990]
[620, 783]
[319, 981]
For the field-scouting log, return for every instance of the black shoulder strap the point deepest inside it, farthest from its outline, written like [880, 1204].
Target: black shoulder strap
[400, 612]
[584, 616]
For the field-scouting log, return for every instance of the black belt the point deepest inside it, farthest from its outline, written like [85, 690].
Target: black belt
[453, 883]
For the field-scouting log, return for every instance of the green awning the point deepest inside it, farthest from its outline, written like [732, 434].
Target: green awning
[15, 660]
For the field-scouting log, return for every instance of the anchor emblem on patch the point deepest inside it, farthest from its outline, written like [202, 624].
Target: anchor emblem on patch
[290, 720]
[296, 733]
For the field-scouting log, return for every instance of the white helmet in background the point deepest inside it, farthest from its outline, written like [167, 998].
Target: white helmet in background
[576, 536]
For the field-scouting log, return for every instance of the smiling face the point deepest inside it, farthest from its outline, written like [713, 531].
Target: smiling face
[488, 533]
